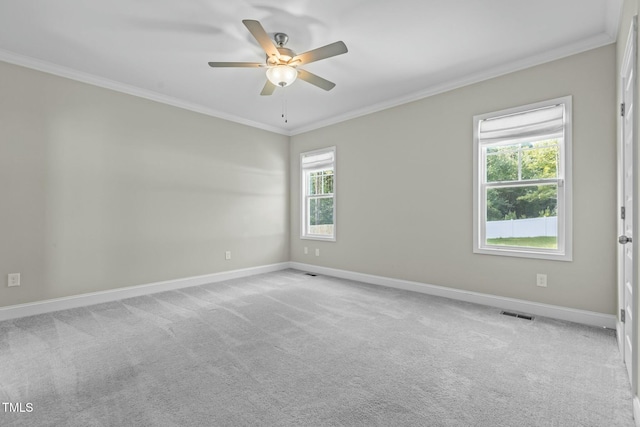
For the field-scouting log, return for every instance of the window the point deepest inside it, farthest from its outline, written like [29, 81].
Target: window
[522, 181]
[318, 194]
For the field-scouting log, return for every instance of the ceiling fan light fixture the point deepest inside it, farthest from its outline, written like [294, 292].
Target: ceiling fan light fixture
[282, 75]
[282, 63]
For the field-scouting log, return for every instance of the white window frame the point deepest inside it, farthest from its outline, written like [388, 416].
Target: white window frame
[564, 182]
[304, 172]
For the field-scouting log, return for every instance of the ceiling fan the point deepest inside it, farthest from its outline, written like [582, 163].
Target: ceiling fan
[282, 63]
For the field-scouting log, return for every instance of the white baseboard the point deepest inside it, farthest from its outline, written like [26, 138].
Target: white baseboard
[636, 410]
[620, 335]
[545, 310]
[538, 309]
[47, 306]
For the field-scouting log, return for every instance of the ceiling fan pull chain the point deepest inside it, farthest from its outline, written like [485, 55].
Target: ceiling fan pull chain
[284, 105]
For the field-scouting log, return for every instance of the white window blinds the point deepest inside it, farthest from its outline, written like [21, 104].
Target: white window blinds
[543, 123]
[318, 159]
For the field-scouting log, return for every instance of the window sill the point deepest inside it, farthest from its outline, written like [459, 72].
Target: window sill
[526, 253]
[325, 239]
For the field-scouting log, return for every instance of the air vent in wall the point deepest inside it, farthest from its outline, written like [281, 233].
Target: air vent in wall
[519, 316]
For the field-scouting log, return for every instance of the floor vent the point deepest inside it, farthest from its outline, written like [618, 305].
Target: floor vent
[519, 316]
[310, 274]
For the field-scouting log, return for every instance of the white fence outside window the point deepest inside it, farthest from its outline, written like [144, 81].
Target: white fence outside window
[529, 227]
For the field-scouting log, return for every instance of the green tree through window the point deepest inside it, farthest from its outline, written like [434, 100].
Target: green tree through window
[522, 162]
[522, 178]
[318, 194]
[321, 208]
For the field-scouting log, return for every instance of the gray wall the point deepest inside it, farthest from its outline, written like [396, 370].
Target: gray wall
[102, 190]
[402, 169]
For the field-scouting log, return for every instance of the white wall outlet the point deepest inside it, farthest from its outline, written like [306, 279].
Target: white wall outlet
[13, 279]
[317, 252]
[541, 280]
[227, 255]
[306, 250]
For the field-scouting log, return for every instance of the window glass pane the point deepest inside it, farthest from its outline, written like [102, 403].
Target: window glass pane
[320, 218]
[321, 182]
[540, 159]
[502, 163]
[318, 194]
[327, 182]
[523, 216]
[524, 181]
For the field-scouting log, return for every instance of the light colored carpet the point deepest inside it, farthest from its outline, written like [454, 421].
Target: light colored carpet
[287, 349]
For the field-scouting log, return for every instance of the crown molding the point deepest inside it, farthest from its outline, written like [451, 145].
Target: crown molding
[595, 42]
[60, 71]
[613, 18]
[603, 39]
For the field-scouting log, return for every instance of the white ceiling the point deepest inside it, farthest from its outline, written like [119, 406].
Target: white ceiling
[399, 51]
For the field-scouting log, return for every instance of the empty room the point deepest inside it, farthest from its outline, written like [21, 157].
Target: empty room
[295, 213]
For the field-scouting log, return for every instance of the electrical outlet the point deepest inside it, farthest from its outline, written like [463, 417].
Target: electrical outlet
[541, 280]
[317, 252]
[227, 255]
[13, 279]
[306, 250]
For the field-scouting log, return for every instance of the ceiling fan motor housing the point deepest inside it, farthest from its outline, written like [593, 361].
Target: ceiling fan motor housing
[285, 56]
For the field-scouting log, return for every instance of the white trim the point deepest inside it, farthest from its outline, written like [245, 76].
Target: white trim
[557, 312]
[613, 15]
[47, 306]
[636, 410]
[629, 60]
[564, 185]
[304, 196]
[499, 70]
[581, 46]
[585, 317]
[58, 70]
[620, 336]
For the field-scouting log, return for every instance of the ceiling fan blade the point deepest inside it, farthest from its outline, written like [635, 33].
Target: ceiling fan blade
[333, 49]
[261, 36]
[315, 80]
[268, 88]
[236, 64]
